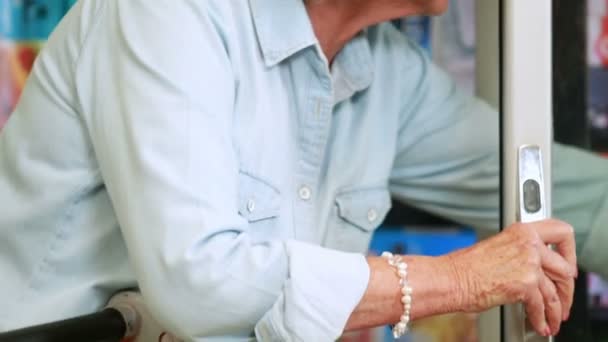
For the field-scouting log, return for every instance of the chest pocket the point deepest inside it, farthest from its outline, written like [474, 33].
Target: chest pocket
[258, 200]
[357, 214]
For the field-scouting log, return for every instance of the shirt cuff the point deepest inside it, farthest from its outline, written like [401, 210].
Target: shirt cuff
[322, 291]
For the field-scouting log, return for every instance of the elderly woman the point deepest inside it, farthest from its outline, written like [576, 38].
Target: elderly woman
[232, 159]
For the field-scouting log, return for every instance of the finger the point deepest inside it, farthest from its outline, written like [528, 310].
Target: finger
[535, 311]
[553, 305]
[553, 265]
[561, 235]
[565, 291]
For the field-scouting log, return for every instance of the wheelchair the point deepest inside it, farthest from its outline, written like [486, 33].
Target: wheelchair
[124, 319]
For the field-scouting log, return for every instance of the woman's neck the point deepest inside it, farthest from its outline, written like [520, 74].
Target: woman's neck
[336, 22]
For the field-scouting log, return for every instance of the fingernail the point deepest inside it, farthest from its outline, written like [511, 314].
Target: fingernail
[566, 316]
[547, 332]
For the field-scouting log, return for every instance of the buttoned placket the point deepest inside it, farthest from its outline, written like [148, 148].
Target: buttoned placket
[313, 134]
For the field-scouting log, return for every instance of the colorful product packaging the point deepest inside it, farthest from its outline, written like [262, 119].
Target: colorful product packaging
[597, 56]
[24, 26]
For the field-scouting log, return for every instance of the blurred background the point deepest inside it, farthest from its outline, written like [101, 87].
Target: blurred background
[451, 41]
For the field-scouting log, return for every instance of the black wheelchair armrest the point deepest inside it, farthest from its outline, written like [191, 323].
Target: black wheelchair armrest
[104, 326]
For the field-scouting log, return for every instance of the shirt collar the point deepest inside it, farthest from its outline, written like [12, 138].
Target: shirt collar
[283, 28]
[353, 68]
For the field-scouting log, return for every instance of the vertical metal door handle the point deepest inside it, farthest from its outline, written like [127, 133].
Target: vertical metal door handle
[531, 206]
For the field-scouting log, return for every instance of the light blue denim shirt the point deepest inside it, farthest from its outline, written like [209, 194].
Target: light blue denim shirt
[205, 152]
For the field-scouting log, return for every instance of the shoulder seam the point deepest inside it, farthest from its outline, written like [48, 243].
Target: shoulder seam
[92, 27]
[76, 62]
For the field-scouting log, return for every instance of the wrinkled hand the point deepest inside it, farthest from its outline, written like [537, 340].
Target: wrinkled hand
[518, 266]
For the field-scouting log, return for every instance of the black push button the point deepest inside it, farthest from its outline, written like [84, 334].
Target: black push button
[532, 196]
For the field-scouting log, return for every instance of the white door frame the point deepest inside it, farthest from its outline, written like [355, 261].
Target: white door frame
[524, 93]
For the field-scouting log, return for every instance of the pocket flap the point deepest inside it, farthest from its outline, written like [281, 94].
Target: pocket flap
[364, 208]
[258, 200]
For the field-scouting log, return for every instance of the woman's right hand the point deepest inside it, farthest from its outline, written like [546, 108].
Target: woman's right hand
[518, 266]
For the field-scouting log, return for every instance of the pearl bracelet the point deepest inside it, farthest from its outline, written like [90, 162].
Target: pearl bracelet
[402, 327]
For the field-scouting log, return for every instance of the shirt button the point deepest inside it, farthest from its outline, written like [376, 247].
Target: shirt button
[372, 215]
[250, 205]
[305, 193]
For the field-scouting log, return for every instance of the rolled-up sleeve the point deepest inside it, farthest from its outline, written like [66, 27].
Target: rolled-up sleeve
[157, 89]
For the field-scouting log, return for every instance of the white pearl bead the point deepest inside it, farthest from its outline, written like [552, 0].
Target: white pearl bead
[395, 260]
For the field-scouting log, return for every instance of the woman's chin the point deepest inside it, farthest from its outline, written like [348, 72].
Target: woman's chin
[436, 7]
